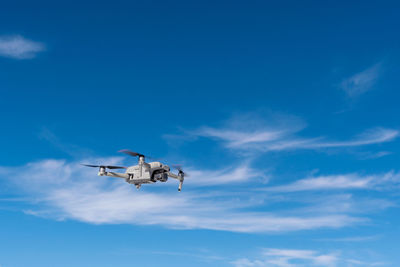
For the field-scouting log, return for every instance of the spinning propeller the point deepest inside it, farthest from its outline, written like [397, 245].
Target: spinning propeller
[178, 167]
[134, 154]
[104, 166]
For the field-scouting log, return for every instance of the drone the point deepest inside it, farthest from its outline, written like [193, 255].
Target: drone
[143, 172]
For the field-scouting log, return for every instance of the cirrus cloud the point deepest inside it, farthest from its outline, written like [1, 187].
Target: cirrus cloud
[18, 47]
[361, 82]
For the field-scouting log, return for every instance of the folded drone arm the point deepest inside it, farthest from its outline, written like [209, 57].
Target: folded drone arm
[178, 177]
[173, 175]
[115, 174]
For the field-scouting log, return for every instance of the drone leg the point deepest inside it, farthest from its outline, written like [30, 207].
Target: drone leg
[138, 186]
[180, 186]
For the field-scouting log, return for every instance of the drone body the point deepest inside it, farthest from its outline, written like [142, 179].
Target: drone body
[143, 172]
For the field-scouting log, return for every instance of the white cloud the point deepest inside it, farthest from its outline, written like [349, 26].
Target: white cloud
[345, 181]
[372, 155]
[251, 133]
[272, 257]
[70, 149]
[372, 136]
[19, 47]
[232, 174]
[64, 190]
[317, 203]
[351, 239]
[283, 139]
[353, 262]
[348, 181]
[236, 138]
[285, 258]
[361, 82]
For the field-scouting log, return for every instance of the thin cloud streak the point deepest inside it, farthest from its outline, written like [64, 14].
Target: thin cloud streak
[18, 47]
[361, 82]
[369, 137]
[273, 257]
[345, 181]
[238, 139]
[281, 139]
[251, 133]
[287, 257]
[351, 239]
[233, 174]
[349, 181]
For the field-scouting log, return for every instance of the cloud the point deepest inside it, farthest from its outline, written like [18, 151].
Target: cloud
[18, 47]
[369, 137]
[361, 82]
[272, 257]
[344, 181]
[248, 130]
[237, 139]
[264, 138]
[323, 203]
[232, 174]
[285, 258]
[351, 239]
[66, 191]
[347, 181]
[70, 149]
[372, 155]
[252, 133]
[205, 255]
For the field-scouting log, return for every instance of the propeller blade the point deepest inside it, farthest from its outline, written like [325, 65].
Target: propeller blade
[185, 174]
[177, 167]
[131, 153]
[88, 165]
[104, 166]
[135, 154]
[115, 167]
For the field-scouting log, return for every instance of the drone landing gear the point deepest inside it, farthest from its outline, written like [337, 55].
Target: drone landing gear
[138, 186]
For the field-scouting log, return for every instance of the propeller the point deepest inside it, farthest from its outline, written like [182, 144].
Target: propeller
[131, 153]
[135, 154]
[104, 166]
[178, 167]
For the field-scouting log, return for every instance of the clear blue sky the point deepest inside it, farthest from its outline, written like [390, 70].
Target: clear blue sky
[285, 113]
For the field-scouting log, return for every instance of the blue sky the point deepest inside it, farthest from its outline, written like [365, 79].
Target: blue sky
[284, 113]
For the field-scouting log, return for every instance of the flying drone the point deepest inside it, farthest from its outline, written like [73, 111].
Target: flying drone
[143, 172]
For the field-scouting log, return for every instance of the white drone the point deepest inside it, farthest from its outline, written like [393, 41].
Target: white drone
[143, 173]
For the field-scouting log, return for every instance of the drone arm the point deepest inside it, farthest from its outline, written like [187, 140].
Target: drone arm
[115, 174]
[173, 175]
[178, 177]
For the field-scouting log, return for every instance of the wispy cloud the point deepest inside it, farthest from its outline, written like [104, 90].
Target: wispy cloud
[230, 175]
[351, 239]
[18, 47]
[70, 149]
[348, 181]
[369, 137]
[361, 82]
[286, 257]
[272, 257]
[280, 140]
[64, 190]
[372, 155]
[345, 181]
[246, 133]
[205, 255]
